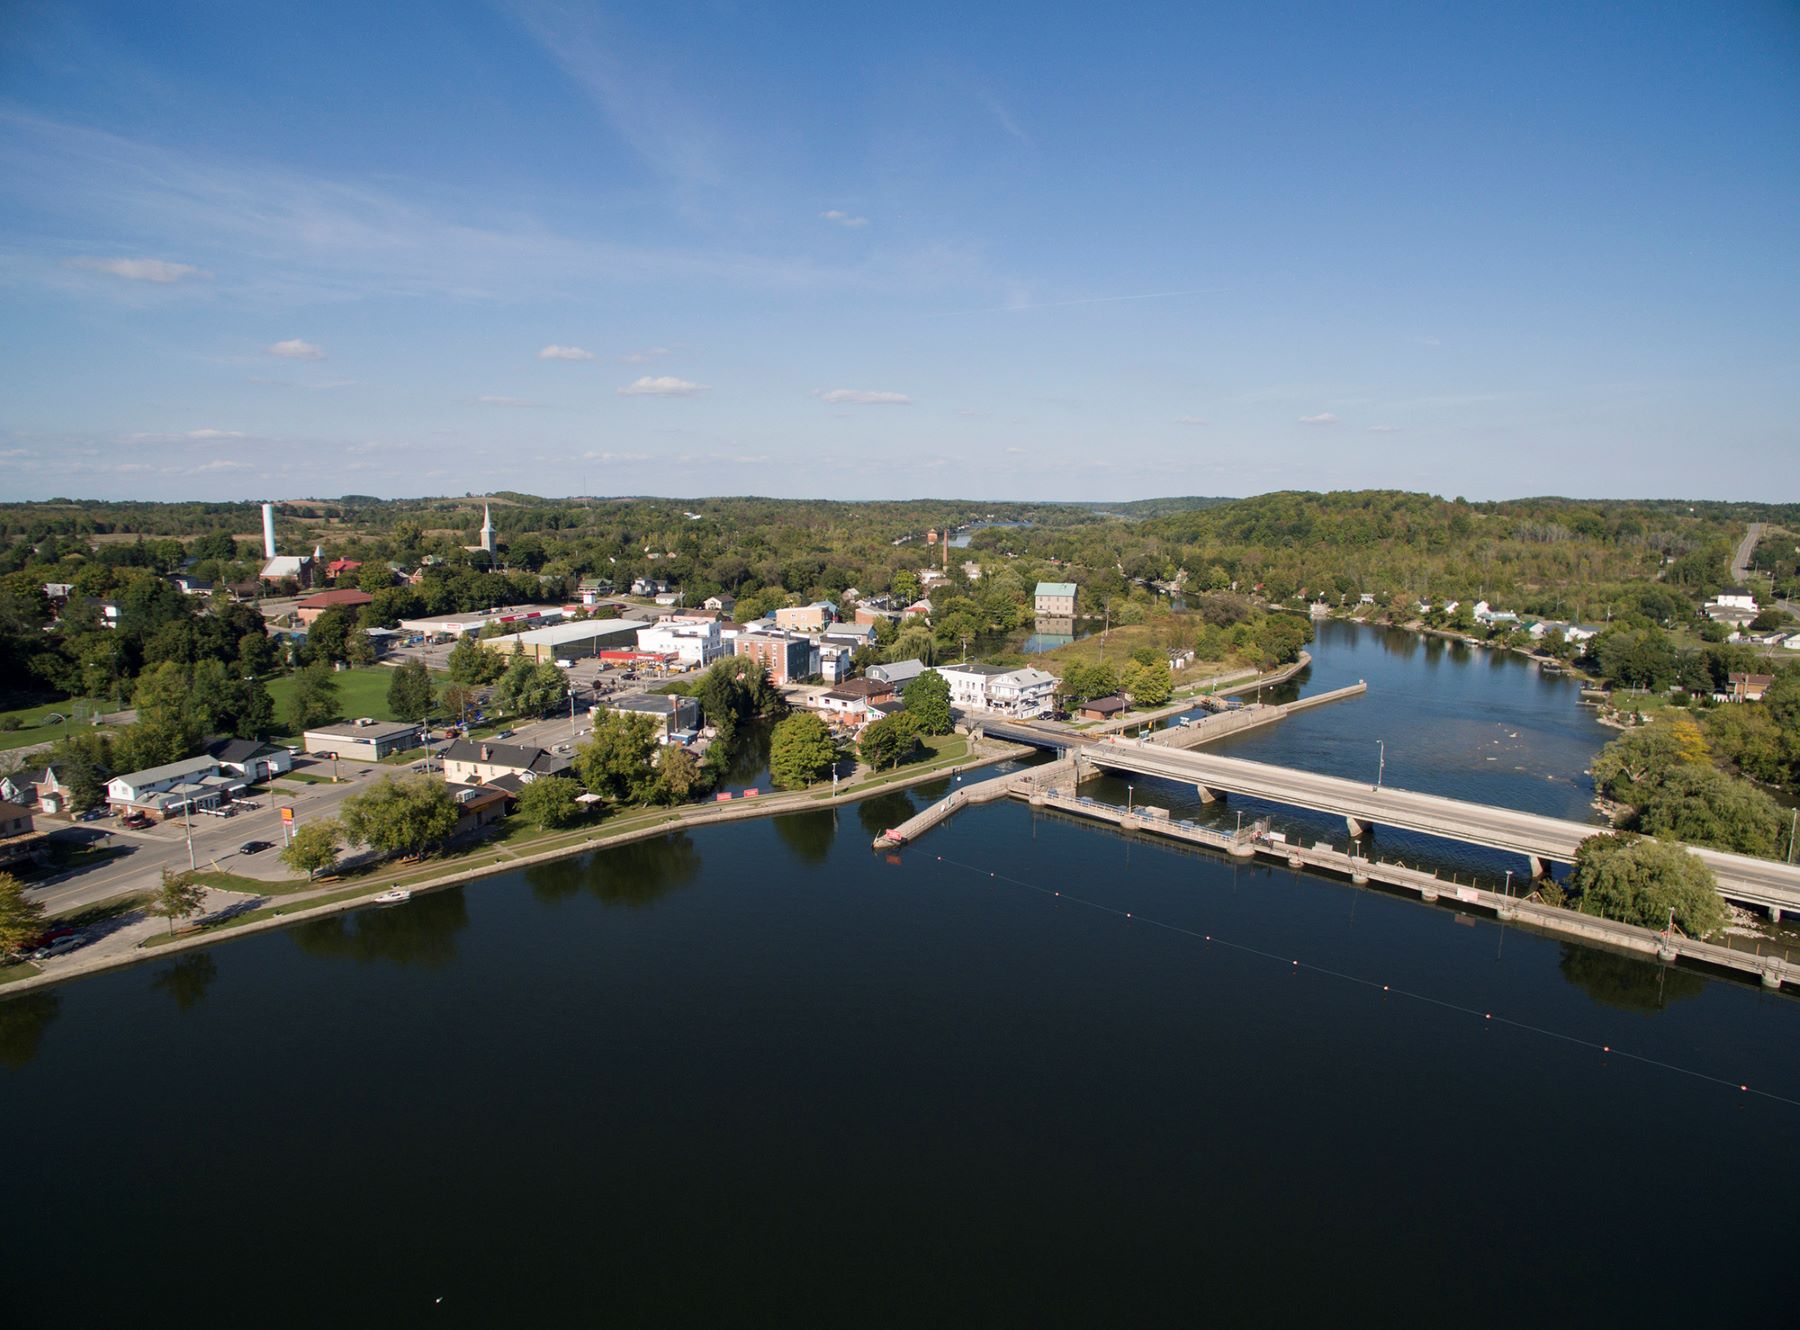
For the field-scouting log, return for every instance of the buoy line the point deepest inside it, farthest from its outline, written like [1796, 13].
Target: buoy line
[1325, 971]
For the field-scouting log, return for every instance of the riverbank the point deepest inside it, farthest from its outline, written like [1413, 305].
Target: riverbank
[623, 829]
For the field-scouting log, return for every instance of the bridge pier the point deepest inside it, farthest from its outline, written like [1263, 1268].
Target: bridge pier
[1771, 977]
[1358, 828]
[1208, 796]
[1774, 914]
[1539, 868]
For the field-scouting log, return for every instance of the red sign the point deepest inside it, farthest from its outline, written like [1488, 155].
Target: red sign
[750, 793]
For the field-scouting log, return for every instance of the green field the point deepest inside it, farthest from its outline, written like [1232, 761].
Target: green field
[35, 727]
[360, 693]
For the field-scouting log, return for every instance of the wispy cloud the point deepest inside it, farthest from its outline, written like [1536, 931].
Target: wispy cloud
[644, 357]
[664, 386]
[615, 457]
[1191, 420]
[860, 397]
[494, 399]
[1323, 418]
[1021, 304]
[843, 218]
[555, 352]
[1385, 429]
[209, 435]
[222, 464]
[296, 349]
[160, 271]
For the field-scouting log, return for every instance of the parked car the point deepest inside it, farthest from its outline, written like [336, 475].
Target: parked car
[503, 734]
[90, 815]
[255, 846]
[68, 942]
[136, 821]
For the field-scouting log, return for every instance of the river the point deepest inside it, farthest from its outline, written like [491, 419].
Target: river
[757, 1074]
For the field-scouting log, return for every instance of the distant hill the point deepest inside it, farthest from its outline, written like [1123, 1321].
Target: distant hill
[1141, 508]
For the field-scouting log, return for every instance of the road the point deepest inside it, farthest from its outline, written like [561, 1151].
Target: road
[216, 839]
[1741, 878]
[1746, 550]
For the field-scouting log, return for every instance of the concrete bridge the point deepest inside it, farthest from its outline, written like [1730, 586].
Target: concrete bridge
[1771, 886]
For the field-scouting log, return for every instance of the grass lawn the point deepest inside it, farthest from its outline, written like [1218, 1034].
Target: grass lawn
[87, 916]
[1116, 647]
[36, 727]
[16, 971]
[250, 886]
[360, 693]
[301, 778]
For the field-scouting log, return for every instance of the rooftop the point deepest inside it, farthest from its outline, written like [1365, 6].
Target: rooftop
[1055, 588]
[381, 729]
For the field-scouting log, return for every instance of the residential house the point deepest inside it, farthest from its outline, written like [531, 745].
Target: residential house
[899, 673]
[252, 759]
[479, 806]
[725, 603]
[189, 585]
[850, 702]
[968, 683]
[348, 599]
[787, 658]
[36, 788]
[1737, 598]
[1056, 599]
[919, 609]
[649, 586]
[20, 840]
[166, 791]
[1747, 687]
[836, 660]
[338, 567]
[363, 739]
[1022, 693]
[483, 761]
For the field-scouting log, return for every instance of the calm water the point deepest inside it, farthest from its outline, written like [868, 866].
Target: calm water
[759, 1074]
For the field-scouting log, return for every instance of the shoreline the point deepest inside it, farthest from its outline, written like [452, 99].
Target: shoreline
[811, 799]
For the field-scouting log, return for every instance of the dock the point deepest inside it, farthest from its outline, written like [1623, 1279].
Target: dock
[1024, 783]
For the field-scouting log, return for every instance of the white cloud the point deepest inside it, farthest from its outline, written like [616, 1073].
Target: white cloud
[160, 271]
[222, 464]
[205, 435]
[1323, 418]
[492, 399]
[1384, 429]
[555, 352]
[1191, 420]
[644, 357]
[296, 349]
[843, 218]
[615, 457]
[860, 397]
[664, 386]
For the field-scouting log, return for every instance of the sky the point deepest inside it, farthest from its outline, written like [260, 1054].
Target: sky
[1008, 251]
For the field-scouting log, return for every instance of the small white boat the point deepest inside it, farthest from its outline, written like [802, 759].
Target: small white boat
[394, 896]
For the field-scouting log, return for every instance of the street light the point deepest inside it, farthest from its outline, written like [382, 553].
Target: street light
[1509, 884]
[1381, 765]
[1128, 799]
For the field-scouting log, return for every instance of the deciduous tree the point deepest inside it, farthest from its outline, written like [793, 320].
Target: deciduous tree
[314, 700]
[928, 703]
[178, 897]
[401, 815]
[409, 691]
[21, 919]
[314, 847]
[549, 802]
[1637, 880]
[800, 752]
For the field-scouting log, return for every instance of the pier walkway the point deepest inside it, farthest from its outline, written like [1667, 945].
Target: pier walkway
[1771, 971]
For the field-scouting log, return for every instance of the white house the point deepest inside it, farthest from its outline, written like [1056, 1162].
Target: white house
[166, 790]
[993, 688]
[1737, 598]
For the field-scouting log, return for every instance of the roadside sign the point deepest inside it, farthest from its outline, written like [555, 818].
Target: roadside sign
[287, 814]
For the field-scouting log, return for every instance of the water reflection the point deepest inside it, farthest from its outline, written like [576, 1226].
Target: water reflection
[808, 835]
[884, 811]
[633, 875]
[1626, 982]
[421, 932]
[187, 979]
[23, 1020]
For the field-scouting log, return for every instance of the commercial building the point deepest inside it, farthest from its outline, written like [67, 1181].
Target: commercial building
[692, 640]
[579, 640]
[806, 618]
[1056, 598]
[167, 790]
[677, 714]
[787, 658]
[363, 740]
[520, 617]
[339, 598]
[897, 672]
[852, 702]
[992, 688]
[252, 759]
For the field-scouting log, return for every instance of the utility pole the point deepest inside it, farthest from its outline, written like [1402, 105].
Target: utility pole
[1381, 766]
[188, 825]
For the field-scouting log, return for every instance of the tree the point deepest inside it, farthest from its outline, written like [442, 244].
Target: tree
[889, 741]
[530, 688]
[401, 815]
[1629, 767]
[617, 760]
[1149, 685]
[459, 700]
[168, 724]
[928, 702]
[178, 897]
[21, 919]
[328, 636]
[1281, 637]
[409, 691]
[549, 802]
[314, 701]
[1639, 881]
[471, 663]
[678, 775]
[800, 752]
[1704, 806]
[314, 847]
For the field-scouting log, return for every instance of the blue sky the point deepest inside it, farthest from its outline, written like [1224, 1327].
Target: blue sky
[1004, 250]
